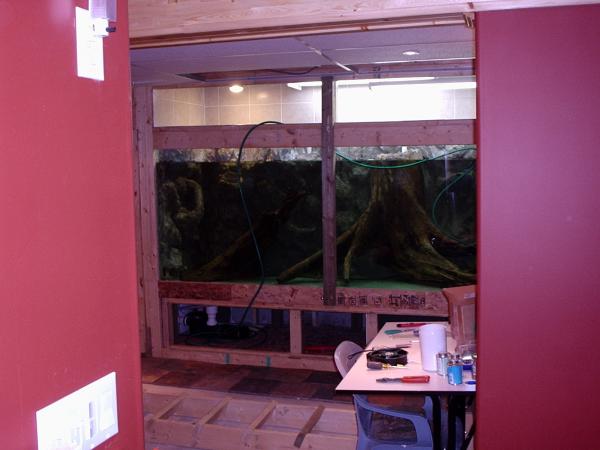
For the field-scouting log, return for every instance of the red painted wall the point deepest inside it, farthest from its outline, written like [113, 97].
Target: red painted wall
[539, 227]
[67, 269]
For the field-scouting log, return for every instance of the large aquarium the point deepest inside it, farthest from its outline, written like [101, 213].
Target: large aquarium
[404, 215]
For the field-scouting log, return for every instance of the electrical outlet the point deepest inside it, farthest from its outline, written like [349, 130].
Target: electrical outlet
[81, 420]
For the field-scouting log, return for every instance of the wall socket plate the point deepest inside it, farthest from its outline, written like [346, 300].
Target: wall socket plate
[81, 420]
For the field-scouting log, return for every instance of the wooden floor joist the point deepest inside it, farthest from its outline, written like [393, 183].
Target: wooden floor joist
[208, 420]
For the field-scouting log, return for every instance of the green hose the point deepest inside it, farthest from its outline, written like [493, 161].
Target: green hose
[458, 177]
[401, 166]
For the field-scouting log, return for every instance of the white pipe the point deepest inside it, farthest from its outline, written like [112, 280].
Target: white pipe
[212, 315]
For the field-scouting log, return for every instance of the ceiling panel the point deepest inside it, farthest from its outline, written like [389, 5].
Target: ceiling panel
[366, 47]
[239, 62]
[389, 54]
[366, 39]
[254, 47]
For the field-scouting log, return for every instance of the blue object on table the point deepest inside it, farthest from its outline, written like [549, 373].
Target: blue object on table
[413, 331]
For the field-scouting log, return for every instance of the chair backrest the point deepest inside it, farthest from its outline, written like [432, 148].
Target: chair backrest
[368, 438]
[365, 410]
[341, 356]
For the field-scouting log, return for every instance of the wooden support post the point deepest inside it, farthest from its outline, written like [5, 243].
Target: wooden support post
[295, 331]
[143, 329]
[370, 326]
[146, 227]
[328, 191]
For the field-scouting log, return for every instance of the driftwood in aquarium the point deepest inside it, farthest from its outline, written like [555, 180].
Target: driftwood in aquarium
[418, 246]
[306, 264]
[243, 247]
[396, 219]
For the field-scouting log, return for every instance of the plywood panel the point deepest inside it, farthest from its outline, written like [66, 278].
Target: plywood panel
[179, 21]
[306, 298]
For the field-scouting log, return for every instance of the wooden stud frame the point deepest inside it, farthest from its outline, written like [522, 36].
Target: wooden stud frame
[157, 306]
[147, 237]
[329, 244]
[194, 418]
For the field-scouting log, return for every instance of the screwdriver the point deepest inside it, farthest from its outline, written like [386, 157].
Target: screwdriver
[413, 379]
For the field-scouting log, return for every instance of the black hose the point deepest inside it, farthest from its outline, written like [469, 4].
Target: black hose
[248, 218]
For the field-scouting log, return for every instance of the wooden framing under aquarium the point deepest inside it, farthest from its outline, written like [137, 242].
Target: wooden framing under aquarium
[157, 297]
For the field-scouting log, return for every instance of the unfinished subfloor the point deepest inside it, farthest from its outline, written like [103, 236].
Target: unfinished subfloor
[226, 407]
[211, 420]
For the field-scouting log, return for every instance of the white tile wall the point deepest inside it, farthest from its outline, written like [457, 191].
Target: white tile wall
[357, 103]
[219, 106]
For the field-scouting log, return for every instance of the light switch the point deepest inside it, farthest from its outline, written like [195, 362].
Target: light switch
[90, 50]
[81, 420]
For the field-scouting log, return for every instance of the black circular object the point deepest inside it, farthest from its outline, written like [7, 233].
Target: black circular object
[397, 357]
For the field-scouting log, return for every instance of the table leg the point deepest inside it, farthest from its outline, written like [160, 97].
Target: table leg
[456, 421]
[437, 422]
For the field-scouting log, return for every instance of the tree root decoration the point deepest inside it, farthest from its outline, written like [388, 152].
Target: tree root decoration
[304, 265]
[409, 231]
[395, 216]
[242, 249]
[363, 226]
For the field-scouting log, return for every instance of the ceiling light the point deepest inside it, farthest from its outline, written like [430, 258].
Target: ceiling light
[236, 88]
[411, 53]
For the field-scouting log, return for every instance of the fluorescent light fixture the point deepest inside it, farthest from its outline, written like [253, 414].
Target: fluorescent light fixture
[302, 84]
[428, 86]
[383, 81]
[411, 53]
[236, 88]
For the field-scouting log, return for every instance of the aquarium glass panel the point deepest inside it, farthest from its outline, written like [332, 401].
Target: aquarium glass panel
[203, 231]
[406, 215]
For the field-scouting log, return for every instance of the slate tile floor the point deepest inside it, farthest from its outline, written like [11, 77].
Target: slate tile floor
[294, 383]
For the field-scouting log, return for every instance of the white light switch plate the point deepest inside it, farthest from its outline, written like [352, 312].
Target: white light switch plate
[90, 50]
[81, 420]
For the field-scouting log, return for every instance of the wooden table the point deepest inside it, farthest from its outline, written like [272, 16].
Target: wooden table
[362, 379]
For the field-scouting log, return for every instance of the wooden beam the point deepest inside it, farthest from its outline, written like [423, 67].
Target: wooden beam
[328, 191]
[230, 136]
[146, 228]
[431, 303]
[159, 23]
[250, 357]
[264, 32]
[308, 426]
[423, 132]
